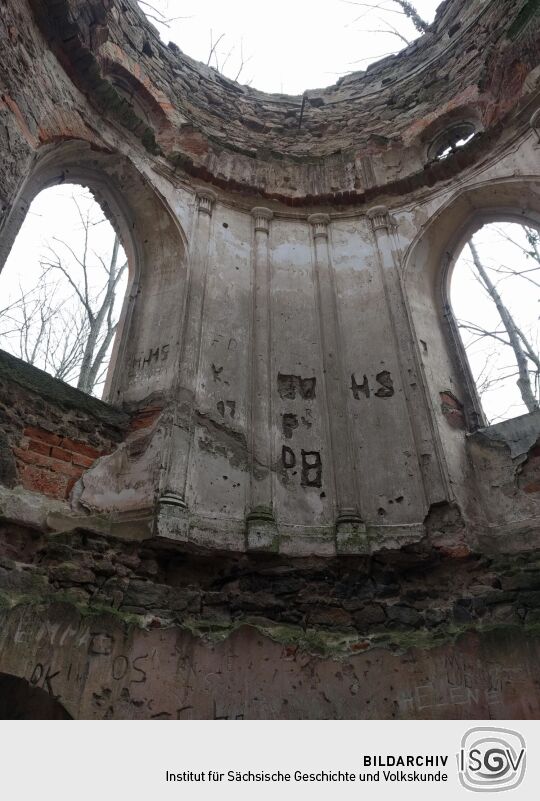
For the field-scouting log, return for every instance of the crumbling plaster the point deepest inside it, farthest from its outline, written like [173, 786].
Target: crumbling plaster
[288, 378]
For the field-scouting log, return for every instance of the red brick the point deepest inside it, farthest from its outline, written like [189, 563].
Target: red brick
[450, 400]
[71, 483]
[35, 479]
[66, 468]
[54, 465]
[144, 419]
[31, 457]
[83, 461]
[80, 447]
[452, 409]
[533, 486]
[42, 435]
[39, 447]
[60, 453]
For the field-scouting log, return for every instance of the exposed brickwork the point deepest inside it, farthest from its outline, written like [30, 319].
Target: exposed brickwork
[453, 410]
[56, 461]
[241, 139]
[144, 418]
[51, 446]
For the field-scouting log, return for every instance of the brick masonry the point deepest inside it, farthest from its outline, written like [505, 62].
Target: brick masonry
[49, 455]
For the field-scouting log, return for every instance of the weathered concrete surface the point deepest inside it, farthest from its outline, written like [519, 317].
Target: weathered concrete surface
[296, 457]
[97, 669]
[116, 629]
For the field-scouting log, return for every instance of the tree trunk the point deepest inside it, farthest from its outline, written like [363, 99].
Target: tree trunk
[87, 375]
[524, 381]
[410, 11]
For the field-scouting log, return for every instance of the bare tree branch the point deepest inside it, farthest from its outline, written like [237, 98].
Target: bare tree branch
[213, 46]
[405, 9]
[514, 334]
[67, 326]
[155, 14]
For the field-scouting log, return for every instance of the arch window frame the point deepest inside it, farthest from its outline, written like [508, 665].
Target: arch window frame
[474, 413]
[105, 173]
[448, 139]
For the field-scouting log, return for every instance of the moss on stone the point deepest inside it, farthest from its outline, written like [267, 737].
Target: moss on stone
[343, 644]
[40, 602]
[6, 602]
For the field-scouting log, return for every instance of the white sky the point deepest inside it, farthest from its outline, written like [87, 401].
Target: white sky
[53, 216]
[489, 359]
[288, 46]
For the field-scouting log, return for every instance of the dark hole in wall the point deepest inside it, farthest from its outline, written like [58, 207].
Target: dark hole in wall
[20, 701]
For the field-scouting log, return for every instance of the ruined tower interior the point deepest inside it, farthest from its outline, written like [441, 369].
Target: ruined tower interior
[288, 503]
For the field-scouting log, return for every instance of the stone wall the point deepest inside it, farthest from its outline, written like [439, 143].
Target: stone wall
[291, 487]
[50, 433]
[330, 145]
[116, 629]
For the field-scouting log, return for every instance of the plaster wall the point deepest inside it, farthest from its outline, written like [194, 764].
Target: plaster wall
[296, 464]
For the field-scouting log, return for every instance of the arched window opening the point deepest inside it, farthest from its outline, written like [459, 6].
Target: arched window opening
[19, 700]
[451, 140]
[495, 296]
[62, 288]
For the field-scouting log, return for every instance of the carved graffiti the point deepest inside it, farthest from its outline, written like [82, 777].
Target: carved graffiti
[288, 459]
[383, 379]
[360, 388]
[226, 406]
[153, 357]
[141, 673]
[101, 644]
[289, 423]
[311, 475]
[219, 716]
[291, 385]
[120, 667]
[42, 676]
[386, 389]
[122, 664]
[311, 469]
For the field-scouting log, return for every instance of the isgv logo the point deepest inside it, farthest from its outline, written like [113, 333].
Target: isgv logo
[491, 760]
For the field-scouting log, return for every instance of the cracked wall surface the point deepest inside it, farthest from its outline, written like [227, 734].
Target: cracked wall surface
[289, 482]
